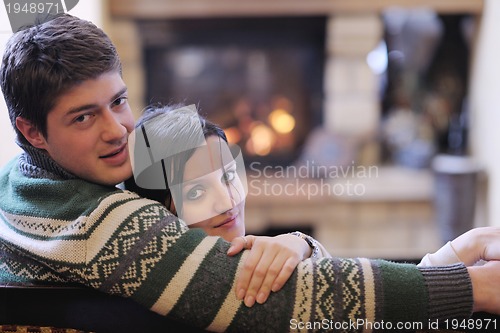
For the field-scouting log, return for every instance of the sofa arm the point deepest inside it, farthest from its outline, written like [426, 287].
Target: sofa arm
[80, 308]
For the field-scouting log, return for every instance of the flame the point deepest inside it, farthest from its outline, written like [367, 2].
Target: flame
[281, 121]
[261, 140]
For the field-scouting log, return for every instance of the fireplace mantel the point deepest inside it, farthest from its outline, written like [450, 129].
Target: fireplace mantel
[161, 9]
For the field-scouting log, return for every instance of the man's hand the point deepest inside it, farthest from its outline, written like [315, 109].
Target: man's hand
[268, 266]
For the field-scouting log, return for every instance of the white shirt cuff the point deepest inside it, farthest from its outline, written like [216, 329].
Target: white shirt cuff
[446, 255]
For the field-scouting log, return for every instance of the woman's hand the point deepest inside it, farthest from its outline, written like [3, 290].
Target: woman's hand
[269, 264]
[478, 244]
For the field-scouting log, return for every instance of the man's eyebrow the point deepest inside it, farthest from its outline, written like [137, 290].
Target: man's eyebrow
[92, 106]
[118, 94]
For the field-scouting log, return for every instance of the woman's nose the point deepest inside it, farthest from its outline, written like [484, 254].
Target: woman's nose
[224, 199]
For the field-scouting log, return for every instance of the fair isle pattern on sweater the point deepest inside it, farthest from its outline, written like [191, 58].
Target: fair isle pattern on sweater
[67, 229]
[304, 300]
[21, 269]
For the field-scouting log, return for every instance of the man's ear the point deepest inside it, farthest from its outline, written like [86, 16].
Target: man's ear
[31, 133]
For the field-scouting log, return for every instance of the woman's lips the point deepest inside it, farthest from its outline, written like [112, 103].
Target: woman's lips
[229, 222]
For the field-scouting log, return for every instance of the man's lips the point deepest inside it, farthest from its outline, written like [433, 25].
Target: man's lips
[115, 152]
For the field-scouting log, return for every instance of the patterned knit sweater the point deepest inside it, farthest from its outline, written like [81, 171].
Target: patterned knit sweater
[55, 227]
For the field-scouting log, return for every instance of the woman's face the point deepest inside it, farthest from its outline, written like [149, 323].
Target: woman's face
[213, 196]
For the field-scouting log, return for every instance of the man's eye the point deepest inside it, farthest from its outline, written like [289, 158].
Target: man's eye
[120, 101]
[195, 193]
[82, 118]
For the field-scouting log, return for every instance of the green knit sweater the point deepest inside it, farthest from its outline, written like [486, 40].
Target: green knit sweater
[55, 227]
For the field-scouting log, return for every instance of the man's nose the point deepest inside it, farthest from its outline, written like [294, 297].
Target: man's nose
[113, 127]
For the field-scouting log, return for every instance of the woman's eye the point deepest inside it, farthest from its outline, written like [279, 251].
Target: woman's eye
[195, 193]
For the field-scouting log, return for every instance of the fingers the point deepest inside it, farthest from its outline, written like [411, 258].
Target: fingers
[237, 245]
[246, 275]
[278, 273]
[265, 269]
[478, 243]
[285, 273]
[491, 251]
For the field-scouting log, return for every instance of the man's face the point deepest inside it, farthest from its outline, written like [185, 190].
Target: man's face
[87, 130]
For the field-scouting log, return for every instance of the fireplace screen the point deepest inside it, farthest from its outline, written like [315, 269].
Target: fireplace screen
[261, 79]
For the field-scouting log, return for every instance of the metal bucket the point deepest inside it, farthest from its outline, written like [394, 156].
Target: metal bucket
[455, 185]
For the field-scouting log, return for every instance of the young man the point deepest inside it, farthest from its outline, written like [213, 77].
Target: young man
[63, 217]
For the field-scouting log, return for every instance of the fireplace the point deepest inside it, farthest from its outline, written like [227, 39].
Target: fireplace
[239, 64]
[260, 78]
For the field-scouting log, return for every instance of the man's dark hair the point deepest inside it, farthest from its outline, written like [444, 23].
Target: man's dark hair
[44, 61]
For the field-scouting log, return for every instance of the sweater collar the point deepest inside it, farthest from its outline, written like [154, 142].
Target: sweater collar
[36, 163]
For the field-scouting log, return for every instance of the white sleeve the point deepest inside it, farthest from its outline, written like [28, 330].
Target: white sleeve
[444, 256]
[323, 253]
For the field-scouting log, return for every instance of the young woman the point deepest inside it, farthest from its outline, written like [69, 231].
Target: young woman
[193, 171]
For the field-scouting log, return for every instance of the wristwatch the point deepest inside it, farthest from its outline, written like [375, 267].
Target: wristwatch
[310, 241]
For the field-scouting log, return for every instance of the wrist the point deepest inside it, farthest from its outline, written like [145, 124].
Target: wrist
[313, 248]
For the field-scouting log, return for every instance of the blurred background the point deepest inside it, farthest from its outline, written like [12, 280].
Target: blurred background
[370, 125]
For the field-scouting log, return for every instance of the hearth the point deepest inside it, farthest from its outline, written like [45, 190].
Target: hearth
[260, 78]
